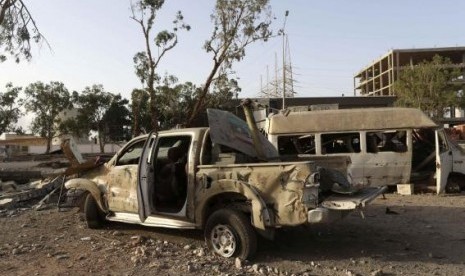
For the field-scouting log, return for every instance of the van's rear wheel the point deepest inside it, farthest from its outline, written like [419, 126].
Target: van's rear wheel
[453, 185]
[229, 233]
[94, 216]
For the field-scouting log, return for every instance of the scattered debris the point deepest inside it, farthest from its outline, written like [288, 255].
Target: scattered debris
[8, 186]
[41, 205]
[20, 176]
[390, 212]
[32, 191]
[238, 263]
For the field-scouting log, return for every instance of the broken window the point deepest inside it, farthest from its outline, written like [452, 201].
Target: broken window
[296, 144]
[131, 154]
[386, 141]
[340, 143]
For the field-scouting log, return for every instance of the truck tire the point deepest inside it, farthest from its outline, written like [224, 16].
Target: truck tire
[229, 233]
[93, 214]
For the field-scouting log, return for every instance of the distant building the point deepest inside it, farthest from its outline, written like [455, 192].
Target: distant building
[69, 114]
[13, 144]
[377, 78]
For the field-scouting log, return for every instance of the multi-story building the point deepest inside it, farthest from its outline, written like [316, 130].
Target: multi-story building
[377, 78]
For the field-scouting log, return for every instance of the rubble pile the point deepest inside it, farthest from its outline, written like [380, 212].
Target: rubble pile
[28, 179]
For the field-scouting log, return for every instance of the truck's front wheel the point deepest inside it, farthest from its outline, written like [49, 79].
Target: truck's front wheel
[94, 216]
[229, 233]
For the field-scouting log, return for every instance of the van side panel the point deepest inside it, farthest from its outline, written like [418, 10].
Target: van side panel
[374, 163]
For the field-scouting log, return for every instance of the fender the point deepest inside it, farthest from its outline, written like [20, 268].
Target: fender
[261, 215]
[90, 186]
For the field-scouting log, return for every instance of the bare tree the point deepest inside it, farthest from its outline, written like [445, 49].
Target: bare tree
[144, 12]
[17, 29]
[237, 24]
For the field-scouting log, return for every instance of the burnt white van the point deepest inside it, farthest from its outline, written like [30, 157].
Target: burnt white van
[387, 146]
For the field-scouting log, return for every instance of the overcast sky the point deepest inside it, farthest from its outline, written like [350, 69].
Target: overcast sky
[93, 42]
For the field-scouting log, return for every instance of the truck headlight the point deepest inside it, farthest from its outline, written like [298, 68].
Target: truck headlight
[312, 180]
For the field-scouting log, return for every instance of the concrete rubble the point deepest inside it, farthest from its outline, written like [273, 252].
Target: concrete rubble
[35, 179]
[12, 193]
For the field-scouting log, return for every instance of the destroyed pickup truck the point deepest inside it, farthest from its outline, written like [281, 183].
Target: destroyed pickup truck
[211, 179]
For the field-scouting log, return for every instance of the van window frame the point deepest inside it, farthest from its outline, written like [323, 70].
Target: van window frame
[350, 148]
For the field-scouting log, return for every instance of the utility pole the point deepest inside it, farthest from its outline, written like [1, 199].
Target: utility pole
[276, 74]
[284, 61]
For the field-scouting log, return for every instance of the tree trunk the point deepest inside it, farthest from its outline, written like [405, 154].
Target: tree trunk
[49, 138]
[49, 141]
[201, 98]
[136, 117]
[101, 141]
[153, 101]
[153, 111]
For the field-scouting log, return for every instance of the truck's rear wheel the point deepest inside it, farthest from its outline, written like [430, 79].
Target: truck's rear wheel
[229, 233]
[94, 216]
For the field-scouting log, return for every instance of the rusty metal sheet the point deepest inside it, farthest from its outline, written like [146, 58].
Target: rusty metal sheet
[229, 130]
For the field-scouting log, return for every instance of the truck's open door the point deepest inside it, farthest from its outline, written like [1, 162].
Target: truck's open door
[145, 177]
[443, 161]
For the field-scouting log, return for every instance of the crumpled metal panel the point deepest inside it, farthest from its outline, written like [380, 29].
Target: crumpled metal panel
[122, 193]
[280, 186]
[117, 185]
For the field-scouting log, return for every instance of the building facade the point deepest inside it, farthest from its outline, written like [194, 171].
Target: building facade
[377, 78]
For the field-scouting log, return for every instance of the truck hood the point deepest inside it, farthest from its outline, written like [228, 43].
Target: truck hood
[231, 131]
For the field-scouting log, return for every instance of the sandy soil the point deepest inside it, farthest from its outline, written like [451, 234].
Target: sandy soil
[400, 235]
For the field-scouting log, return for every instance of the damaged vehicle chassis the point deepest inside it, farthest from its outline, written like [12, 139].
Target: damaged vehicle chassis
[193, 179]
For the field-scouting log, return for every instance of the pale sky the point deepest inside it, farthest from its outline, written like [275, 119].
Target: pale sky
[93, 42]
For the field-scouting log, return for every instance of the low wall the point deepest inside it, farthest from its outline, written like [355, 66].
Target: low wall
[83, 148]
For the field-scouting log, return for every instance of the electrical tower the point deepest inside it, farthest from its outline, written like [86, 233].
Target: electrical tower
[283, 81]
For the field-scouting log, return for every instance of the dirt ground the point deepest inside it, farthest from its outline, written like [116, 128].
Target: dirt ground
[400, 235]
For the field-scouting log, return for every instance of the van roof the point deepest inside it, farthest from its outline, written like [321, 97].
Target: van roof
[348, 120]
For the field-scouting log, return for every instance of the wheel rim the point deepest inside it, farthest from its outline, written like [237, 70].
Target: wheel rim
[223, 240]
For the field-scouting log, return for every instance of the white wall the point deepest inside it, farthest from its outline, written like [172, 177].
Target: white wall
[83, 148]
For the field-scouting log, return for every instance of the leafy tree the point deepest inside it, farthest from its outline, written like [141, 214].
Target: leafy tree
[93, 103]
[140, 107]
[9, 108]
[223, 91]
[74, 126]
[430, 86]
[17, 30]
[144, 12]
[117, 120]
[176, 99]
[237, 24]
[100, 111]
[46, 101]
